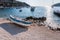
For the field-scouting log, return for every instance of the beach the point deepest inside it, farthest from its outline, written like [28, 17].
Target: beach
[10, 31]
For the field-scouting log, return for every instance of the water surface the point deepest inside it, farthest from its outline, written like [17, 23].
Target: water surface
[47, 12]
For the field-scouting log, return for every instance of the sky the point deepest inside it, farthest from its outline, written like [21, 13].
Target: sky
[40, 2]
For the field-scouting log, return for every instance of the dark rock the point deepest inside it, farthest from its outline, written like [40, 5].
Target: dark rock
[32, 9]
[58, 29]
[28, 18]
[43, 18]
[20, 10]
[51, 28]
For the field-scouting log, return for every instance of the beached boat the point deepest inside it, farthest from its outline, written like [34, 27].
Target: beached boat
[19, 21]
[56, 9]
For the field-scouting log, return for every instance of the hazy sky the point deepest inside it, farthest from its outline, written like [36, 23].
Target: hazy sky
[40, 2]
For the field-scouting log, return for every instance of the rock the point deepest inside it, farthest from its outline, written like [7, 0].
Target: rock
[32, 9]
[20, 10]
[58, 29]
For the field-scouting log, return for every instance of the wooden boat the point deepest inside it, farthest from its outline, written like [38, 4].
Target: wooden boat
[19, 21]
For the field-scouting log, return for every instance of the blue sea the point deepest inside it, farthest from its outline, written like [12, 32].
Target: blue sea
[52, 19]
[5, 12]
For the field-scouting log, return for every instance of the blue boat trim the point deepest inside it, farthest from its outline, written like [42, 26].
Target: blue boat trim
[21, 21]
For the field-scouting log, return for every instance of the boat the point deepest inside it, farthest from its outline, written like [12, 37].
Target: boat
[19, 21]
[56, 9]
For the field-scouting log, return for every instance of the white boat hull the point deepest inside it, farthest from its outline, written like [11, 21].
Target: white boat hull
[19, 23]
[56, 10]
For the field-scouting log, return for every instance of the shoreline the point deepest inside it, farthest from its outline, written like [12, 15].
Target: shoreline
[48, 25]
[10, 31]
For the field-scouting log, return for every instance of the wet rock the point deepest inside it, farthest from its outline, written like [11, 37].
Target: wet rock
[50, 27]
[28, 18]
[32, 9]
[58, 29]
[20, 10]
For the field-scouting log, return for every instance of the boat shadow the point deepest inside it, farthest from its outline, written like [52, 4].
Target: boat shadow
[13, 29]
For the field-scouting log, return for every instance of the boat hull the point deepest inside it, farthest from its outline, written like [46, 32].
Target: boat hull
[19, 22]
[56, 13]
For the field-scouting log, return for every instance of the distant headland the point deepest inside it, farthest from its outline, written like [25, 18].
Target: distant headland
[12, 3]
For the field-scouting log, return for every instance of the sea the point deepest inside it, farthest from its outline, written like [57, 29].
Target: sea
[39, 11]
[23, 12]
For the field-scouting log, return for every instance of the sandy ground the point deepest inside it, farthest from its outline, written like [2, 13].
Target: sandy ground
[9, 31]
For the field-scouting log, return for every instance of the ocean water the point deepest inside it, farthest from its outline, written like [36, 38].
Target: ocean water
[47, 12]
[25, 12]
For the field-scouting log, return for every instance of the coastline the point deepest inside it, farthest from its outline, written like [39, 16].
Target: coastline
[10, 31]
